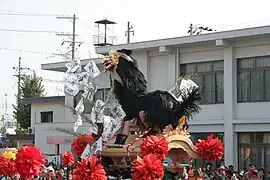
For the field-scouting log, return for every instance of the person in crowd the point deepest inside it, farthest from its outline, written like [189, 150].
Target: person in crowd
[252, 173]
[241, 174]
[261, 174]
[207, 170]
[46, 163]
[231, 168]
[221, 174]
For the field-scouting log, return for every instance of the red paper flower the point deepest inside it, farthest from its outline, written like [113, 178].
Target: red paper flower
[210, 149]
[29, 161]
[68, 159]
[81, 142]
[155, 145]
[148, 168]
[89, 169]
[7, 167]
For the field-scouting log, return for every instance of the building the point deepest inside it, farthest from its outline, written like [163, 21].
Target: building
[232, 70]
[46, 113]
[19, 140]
[50, 113]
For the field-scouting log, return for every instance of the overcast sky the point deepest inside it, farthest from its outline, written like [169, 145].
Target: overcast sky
[151, 19]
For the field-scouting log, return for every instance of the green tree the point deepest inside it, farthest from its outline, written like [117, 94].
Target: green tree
[31, 87]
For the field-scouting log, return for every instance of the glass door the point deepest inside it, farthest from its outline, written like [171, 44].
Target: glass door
[254, 155]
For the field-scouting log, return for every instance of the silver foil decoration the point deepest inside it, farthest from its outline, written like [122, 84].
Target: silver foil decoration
[111, 123]
[77, 80]
[93, 149]
[109, 113]
[181, 88]
[80, 107]
[78, 123]
[117, 112]
[98, 111]
[71, 89]
[92, 69]
[89, 91]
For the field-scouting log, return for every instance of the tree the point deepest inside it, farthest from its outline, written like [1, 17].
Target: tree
[31, 87]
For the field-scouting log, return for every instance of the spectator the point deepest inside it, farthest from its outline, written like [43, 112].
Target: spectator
[221, 173]
[231, 168]
[261, 174]
[252, 174]
[241, 174]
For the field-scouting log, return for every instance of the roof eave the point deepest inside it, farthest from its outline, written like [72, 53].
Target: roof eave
[43, 99]
[178, 41]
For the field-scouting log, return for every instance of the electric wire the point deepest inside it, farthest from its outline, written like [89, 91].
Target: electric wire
[27, 31]
[29, 51]
[26, 14]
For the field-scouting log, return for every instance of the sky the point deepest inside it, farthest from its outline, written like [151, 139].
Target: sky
[151, 19]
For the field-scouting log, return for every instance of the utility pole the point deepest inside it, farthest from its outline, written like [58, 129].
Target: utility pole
[19, 70]
[129, 31]
[73, 42]
[73, 37]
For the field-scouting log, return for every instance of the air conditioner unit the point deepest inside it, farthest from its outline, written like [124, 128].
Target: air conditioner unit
[31, 130]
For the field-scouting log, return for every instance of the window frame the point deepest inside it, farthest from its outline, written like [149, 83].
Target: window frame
[203, 75]
[253, 143]
[47, 113]
[249, 71]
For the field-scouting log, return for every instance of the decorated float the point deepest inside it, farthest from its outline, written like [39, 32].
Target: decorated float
[132, 132]
[156, 122]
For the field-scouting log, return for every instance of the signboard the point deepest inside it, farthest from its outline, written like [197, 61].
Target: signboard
[60, 139]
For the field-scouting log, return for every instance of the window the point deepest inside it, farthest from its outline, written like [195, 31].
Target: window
[254, 148]
[253, 79]
[100, 94]
[46, 116]
[209, 76]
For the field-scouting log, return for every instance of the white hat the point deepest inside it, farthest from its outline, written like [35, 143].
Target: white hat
[222, 167]
[50, 168]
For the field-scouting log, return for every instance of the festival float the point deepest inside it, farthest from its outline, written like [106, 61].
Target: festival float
[132, 132]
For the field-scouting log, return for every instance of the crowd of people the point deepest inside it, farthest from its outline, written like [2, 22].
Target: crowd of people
[229, 173]
[58, 172]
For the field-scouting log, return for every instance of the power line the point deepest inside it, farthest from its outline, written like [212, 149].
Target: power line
[27, 31]
[73, 34]
[28, 51]
[25, 14]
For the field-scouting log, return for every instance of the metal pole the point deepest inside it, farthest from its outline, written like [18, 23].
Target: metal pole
[19, 82]
[73, 37]
[19, 88]
[128, 32]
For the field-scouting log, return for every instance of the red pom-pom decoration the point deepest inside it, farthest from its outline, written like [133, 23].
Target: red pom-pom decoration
[148, 168]
[89, 169]
[7, 167]
[29, 162]
[68, 159]
[211, 149]
[155, 145]
[81, 142]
